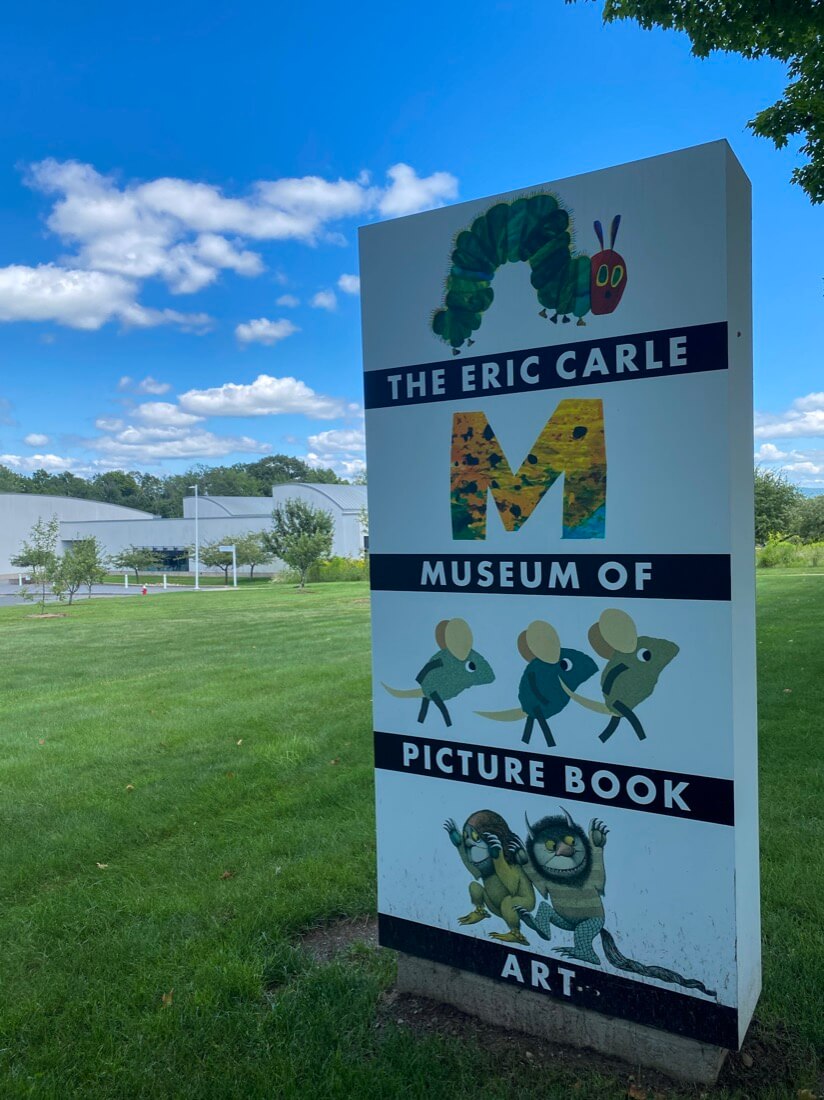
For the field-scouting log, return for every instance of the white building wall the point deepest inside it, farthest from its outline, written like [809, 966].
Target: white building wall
[20, 511]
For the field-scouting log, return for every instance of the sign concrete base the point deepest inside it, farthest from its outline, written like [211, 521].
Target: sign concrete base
[547, 1018]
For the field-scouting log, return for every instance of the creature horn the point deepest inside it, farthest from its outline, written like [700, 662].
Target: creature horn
[599, 232]
[529, 827]
[566, 814]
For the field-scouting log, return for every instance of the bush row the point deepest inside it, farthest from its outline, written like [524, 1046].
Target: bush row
[332, 569]
[787, 552]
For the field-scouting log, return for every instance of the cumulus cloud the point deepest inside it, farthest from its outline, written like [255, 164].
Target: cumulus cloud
[184, 233]
[408, 192]
[805, 417]
[266, 396]
[79, 299]
[768, 452]
[165, 414]
[325, 299]
[349, 284]
[54, 464]
[35, 439]
[339, 448]
[340, 440]
[108, 423]
[288, 301]
[264, 331]
[147, 385]
[135, 444]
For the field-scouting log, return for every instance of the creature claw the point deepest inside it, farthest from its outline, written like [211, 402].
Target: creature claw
[542, 313]
[469, 343]
[510, 937]
[581, 321]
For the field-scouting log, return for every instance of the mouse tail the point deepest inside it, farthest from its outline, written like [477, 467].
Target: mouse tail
[513, 715]
[405, 693]
[590, 704]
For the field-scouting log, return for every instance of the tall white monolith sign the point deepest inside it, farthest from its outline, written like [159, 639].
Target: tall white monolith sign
[559, 434]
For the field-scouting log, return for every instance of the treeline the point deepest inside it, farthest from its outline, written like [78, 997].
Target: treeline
[782, 512]
[163, 496]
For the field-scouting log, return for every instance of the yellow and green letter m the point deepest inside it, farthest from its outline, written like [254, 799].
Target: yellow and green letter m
[571, 443]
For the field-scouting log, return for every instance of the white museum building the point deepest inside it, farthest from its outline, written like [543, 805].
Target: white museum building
[218, 519]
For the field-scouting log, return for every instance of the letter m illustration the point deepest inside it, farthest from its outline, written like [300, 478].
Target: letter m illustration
[571, 443]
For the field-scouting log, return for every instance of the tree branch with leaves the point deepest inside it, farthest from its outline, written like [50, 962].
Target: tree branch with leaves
[300, 535]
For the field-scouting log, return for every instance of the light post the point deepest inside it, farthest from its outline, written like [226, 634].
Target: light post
[197, 542]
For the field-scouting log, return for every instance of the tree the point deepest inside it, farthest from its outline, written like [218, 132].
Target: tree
[301, 535]
[810, 519]
[212, 556]
[90, 555]
[776, 504]
[38, 554]
[252, 550]
[791, 31]
[137, 558]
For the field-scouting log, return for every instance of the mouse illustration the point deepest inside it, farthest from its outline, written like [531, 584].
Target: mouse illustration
[634, 663]
[454, 668]
[552, 672]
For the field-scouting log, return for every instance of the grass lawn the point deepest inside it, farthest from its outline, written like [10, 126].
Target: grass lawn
[186, 787]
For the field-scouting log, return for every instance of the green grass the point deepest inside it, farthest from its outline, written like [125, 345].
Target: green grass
[242, 723]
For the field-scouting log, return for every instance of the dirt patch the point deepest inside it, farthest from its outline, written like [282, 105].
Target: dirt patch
[362, 600]
[765, 1061]
[324, 944]
[431, 1018]
[49, 615]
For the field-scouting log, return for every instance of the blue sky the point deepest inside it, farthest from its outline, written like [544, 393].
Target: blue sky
[181, 184]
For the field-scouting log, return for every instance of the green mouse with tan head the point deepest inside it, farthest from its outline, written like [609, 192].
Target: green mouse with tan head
[634, 663]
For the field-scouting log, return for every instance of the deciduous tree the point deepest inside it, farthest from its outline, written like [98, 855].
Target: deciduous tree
[776, 504]
[791, 31]
[301, 535]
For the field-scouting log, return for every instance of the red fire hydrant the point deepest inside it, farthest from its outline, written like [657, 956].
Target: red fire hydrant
[144, 591]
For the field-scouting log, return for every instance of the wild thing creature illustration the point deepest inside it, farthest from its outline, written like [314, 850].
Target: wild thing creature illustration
[552, 672]
[491, 852]
[634, 663]
[534, 230]
[566, 866]
[454, 668]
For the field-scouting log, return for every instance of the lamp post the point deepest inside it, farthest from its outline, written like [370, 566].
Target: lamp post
[197, 541]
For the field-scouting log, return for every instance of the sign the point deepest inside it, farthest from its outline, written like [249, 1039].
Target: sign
[559, 433]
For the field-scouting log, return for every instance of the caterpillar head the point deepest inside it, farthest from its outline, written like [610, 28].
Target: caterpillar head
[608, 272]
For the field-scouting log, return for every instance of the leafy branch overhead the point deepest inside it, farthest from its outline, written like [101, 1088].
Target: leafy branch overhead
[790, 31]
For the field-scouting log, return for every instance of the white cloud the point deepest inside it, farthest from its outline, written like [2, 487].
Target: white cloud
[349, 284]
[408, 192]
[325, 299]
[147, 385]
[55, 464]
[341, 449]
[343, 467]
[338, 440]
[165, 414]
[184, 233]
[805, 417]
[768, 452]
[288, 301]
[79, 299]
[266, 396]
[264, 331]
[35, 439]
[108, 424]
[133, 445]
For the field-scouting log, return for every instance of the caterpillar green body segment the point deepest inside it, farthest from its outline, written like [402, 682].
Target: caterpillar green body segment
[534, 230]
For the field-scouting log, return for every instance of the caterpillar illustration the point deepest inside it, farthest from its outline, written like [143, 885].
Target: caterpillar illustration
[534, 230]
